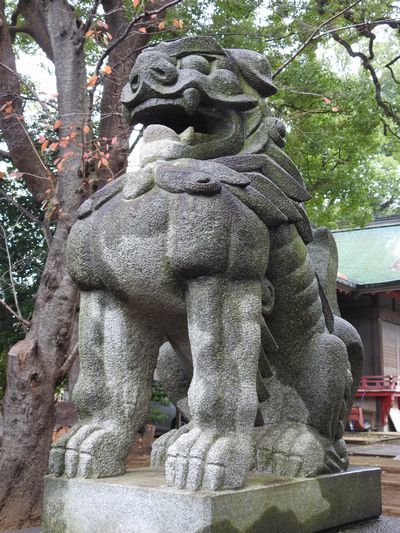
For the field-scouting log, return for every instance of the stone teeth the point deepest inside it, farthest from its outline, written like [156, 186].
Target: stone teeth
[188, 136]
[158, 132]
[191, 98]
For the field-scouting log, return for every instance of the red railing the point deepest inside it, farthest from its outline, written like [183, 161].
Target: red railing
[379, 384]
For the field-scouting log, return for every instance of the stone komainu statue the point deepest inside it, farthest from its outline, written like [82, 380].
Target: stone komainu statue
[203, 262]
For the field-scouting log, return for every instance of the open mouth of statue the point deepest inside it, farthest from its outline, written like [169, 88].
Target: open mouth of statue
[182, 120]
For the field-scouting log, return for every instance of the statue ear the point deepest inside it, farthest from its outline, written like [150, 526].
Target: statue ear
[255, 68]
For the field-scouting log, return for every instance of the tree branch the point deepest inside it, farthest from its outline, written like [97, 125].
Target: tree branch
[389, 66]
[20, 29]
[24, 322]
[69, 361]
[24, 154]
[367, 65]
[5, 155]
[34, 24]
[312, 37]
[389, 129]
[17, 313]
[30, 216]
[375, 23]
[89, 21]
[32, 91]
[132, 23]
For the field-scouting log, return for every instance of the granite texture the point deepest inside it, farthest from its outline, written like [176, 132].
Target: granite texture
[207, 246]
[140, 502]
[383, 524]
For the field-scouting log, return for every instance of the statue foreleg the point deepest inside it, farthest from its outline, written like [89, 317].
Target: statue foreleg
[224, 331]
[118, 354]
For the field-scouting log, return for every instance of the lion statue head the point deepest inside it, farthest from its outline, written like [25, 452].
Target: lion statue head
[200, 101]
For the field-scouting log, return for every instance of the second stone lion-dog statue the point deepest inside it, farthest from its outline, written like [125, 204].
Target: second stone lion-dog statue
[204, 263]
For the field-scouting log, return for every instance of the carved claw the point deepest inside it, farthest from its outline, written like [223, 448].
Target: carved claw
[90, 451]
[163, 443]
[57, 452]
[208, 460]
[296, 450]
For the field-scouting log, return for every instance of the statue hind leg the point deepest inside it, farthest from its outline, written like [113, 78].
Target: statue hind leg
[118, 355]
[308, 442]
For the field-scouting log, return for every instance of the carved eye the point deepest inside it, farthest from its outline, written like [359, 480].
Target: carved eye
[194, 62]
[135, 83]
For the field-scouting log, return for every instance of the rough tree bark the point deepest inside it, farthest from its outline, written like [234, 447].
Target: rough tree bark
[35, 363]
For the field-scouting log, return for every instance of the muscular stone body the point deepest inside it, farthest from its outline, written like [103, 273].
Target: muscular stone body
[199, 260]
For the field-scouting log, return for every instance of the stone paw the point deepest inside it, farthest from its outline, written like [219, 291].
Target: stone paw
[291, 449]
[90, 451]
[162, 444]
[208, 460]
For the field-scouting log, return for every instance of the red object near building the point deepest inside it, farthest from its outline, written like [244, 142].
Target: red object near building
[368, 289]
[386, 389]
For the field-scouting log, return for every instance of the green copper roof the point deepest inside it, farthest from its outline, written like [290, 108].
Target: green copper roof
[369, 256]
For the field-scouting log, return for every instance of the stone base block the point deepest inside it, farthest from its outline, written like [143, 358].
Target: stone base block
[140, 502]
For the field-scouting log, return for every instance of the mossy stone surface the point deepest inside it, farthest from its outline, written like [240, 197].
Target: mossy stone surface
[140, 502]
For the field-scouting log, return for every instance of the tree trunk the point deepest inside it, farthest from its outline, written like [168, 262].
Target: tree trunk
[29, 400]
[23, 154]
[34, 363]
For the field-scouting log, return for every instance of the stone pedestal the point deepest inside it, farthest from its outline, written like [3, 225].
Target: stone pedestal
[140, 502]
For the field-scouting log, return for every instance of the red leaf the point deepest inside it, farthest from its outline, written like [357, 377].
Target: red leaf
[42, 138]
[102, 24]
[67, 154]
[15, 174]
[114, 141]
[44, 145]
[86, 129]
[177, 23]
[107, 69]
[335, 109]
[161, 26]
[142, 30]
[89, 33]
[7, 107]
[57, 124]
[135, 3]
[73, 135]
[2, 174]
[92, 81]
[53, 146]
[326, 100]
